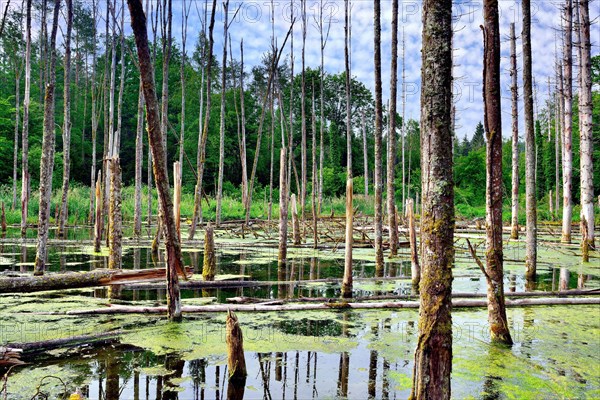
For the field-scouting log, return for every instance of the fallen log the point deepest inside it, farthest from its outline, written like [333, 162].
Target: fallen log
[74, 280]
[457, 295]
[456, 303]
[71, 341]
[10, 356]
[197, 284]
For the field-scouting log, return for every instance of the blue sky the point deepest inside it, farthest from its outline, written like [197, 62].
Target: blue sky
[253, 24]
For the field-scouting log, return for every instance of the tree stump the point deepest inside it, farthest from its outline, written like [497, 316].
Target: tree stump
[210, 263]
[235, 349]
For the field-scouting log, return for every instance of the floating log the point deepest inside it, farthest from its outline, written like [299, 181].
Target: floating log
[10, 356]
[74, 280]
[456, 303]
[71, 341]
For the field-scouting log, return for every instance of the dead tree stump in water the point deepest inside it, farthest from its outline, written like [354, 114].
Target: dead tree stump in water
[210, 264]
[3, 218]
[295, 221]
[347, 282]
[115, 217]
[235, 348]
[414, 251]
[98, 221]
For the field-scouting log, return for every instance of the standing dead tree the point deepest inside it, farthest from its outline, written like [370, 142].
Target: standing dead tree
[47, 163]
[586, 135]
[66, 131]
[174, 260]
[530, 152]
[567, 94]
[25, 137]
[514, 89]
[379, 266]
[391, 150]
[494, 271]
[433, 355]
[203, 136]
[222, 119]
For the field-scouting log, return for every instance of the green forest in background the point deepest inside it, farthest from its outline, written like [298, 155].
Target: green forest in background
[469, 154]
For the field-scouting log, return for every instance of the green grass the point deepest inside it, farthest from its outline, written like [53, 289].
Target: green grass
[233, 209]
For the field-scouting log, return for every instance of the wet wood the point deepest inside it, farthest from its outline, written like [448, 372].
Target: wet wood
[347, 283]
[458, 303]
[73, 280]
[209, 266]
[10, 356]
[236, 361]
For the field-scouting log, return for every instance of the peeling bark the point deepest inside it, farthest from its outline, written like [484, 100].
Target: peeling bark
[347, 280]
[391, 151]
[379, 266]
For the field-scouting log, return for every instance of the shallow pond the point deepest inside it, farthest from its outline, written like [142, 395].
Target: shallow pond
[296, 355]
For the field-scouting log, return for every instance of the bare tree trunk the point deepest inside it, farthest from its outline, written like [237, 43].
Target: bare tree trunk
[348, 91]
[530, 178]
[283, 209]
[514, 233]
[197, 217]
[585, 117]
[43, 68]
[177, 196]
[560, 105]
[433, 355]
[184, 23]
[405, 182]
[295, 221]
[94, 92]
[66, 131]
[243, 136]
[494, 271]
[139, 152]
[415, 268]
[322, 101]
[209, 265]
[116, 218]
[16, 140]
[174, 260]
[222, 121]
[314, 170]
[25, 137]
[47, 163]
[568, 118]
[391, 150]
[347, 281]
[98, 217]
[379, 266]
[109, 136]
[303, 158]
[365, 154]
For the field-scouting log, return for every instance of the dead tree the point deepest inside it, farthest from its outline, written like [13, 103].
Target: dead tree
[530, 179]
[139, 152]
[433, 355]
[66, 131]
[391, 150]
[283, 209]
[116, 217]
[585, 118]
[347, 280]
[567, 94]
[379, 266]
[303, 150]
[203, 136]
[47, 163]
[494, 270]
[174, 260]
[222, 120]
[514, 232]
[25, 137]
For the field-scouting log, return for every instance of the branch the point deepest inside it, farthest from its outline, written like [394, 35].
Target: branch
[477, 260]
